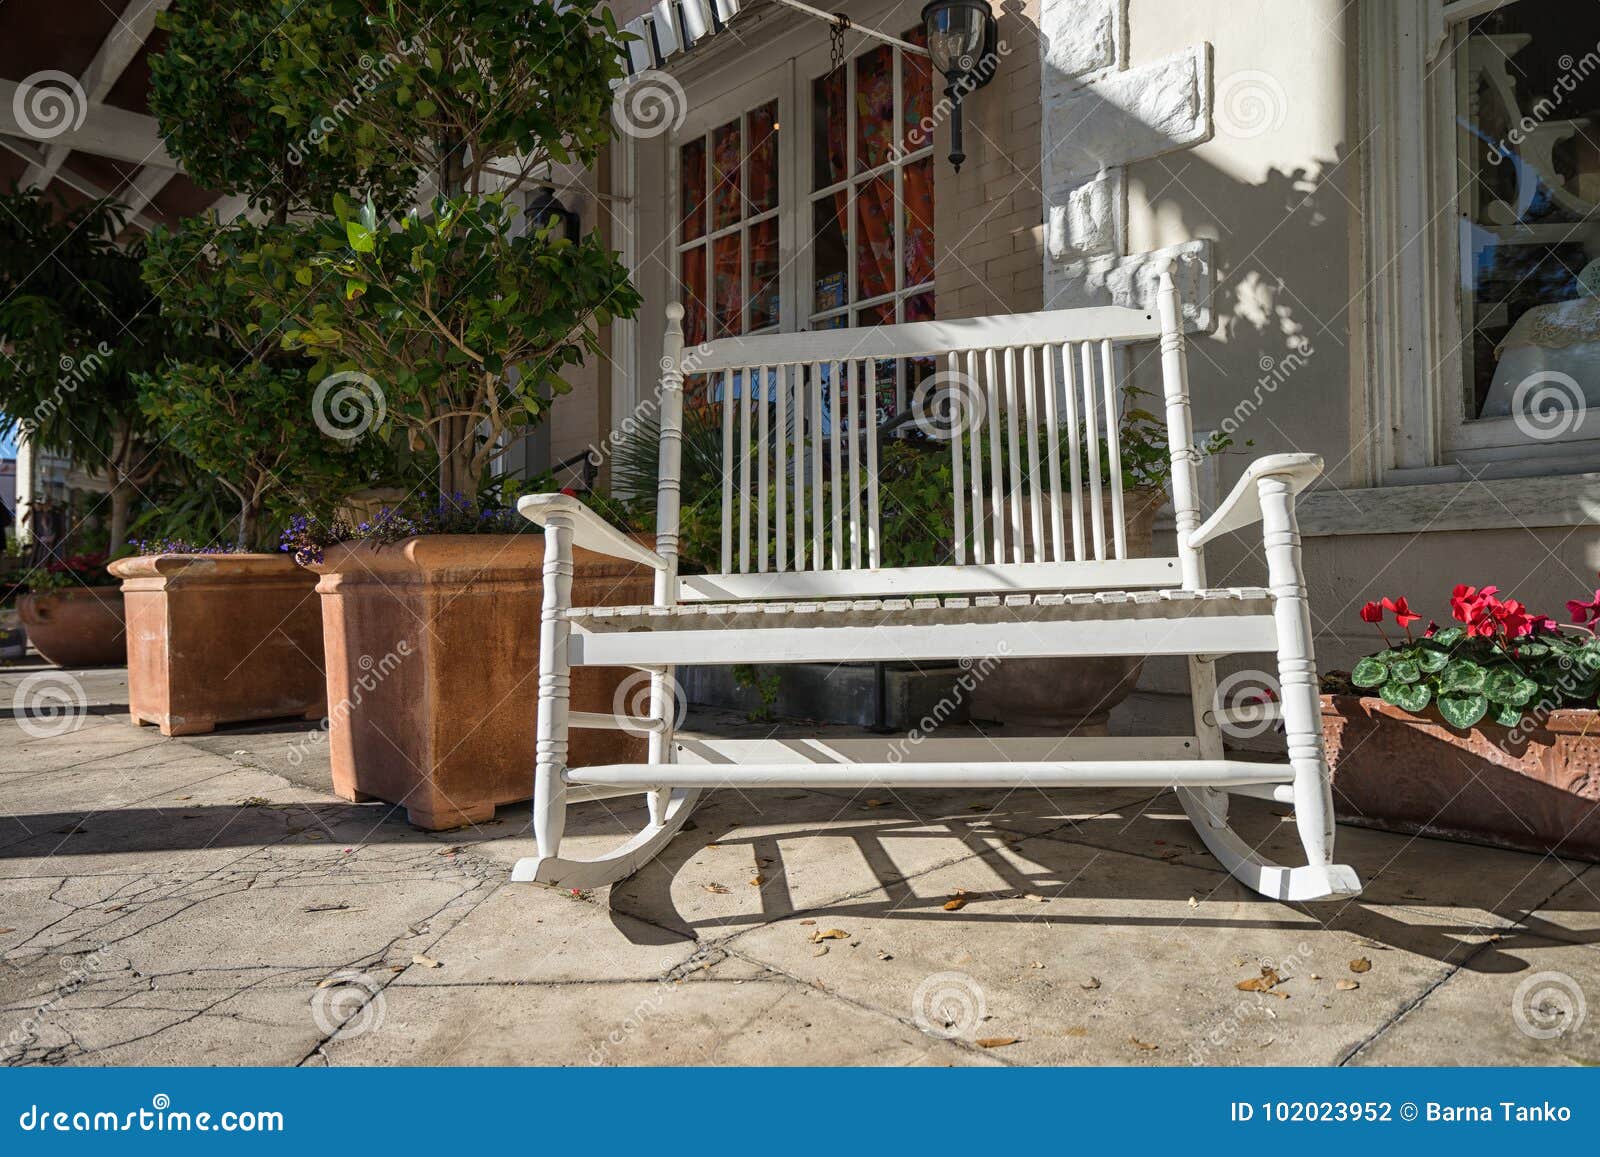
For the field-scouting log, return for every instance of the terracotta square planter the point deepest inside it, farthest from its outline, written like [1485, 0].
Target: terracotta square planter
[1537, 790]
[433, 670]
[76, 626]
[221, 638]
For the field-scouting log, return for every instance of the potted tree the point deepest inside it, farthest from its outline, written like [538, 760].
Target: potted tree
[232, 630]
[456, 319]
[1485, 730]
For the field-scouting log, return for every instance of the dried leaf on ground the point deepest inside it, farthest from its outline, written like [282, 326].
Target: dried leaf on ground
[882, 955]
[997, 1042]
[1266, 982]
[877, 803]
[957, 900]
[425, 961]
[183, 797]
[1077, 1030]
[718, 889]
[829, 934]
[1034, 896]
[757, 880]
[808, 921]
[1092, 983]
[820, 950]
[1347, 985]
[1137, 1043]
[1037, 964]
[1193, 903]
[450, 851]
[326, 908]
[1361, 964]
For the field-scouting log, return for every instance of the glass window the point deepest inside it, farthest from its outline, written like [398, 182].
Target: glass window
[1528, 121]
[729, 189]
[872, 233]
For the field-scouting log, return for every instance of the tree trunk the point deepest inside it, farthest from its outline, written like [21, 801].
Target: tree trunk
[249, 520]
[121, 505]
[458, 481]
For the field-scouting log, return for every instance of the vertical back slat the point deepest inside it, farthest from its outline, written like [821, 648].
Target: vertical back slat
[1069, 392]
[799, 466]
[744, 472]
[1091, 434]
[780, 496]
[853, 449]
[975, 419]
[818, 561]
[997, 488]
[727, 470]
[763, 432]
[835, 445]
[958, 420]
[1030, 413]
[1013, 441]
[1108, 378]
[1052, 434]
[869, 411]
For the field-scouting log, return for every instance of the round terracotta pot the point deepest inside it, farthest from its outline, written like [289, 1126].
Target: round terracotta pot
[77, 627]
[1071, 696]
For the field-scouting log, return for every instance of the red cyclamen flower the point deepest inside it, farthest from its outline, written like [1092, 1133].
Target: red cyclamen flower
[1372, 613]
[1585, 613]
[1403, 614]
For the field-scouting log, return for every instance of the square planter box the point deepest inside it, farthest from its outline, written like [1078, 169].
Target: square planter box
[220, 638]
[433, 670]
[1534, 789]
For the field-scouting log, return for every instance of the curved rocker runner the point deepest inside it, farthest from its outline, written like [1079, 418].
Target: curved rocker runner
[1041, 569]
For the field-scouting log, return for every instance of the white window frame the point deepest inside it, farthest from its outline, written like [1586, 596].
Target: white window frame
[1414, 401]
[812, 67]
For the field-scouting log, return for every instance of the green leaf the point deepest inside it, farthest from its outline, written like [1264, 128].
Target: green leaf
[1509, 686]
[1506, 715]
[1462, 676]
[1405, 670]
[1449, 637]
[1431, 659]
[1463, 711]
[1412, 697]
[425, 108]
[361, 238]
[1369, 672]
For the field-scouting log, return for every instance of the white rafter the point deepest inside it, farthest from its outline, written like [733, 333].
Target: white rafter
[116, 52]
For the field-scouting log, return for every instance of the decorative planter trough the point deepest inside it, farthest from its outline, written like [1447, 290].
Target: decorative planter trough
[433, 670]
[76, 627]
[1535, 788]
[220, 638]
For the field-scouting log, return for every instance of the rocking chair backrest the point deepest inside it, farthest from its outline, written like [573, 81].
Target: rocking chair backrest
[800, 510]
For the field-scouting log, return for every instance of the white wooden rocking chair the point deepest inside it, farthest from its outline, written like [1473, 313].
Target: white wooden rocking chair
[1045, 578]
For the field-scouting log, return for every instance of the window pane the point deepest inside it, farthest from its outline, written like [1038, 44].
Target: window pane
[920, 307]
[880, 314]
[837, 322]
[764, 274]
[725, 157]
[829, 255]
[917, 182]
[874, 239]
[874, 107]
[1530, 205]
[692, 188]
[761, 175]
[692, 293]
[728, 286]
[916, 94]
[828, 129]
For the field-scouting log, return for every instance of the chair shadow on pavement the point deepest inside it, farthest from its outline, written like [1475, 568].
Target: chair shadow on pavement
[1477, 908]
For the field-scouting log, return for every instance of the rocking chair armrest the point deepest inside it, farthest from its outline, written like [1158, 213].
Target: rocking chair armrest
[589, 530]
[1243, 505]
